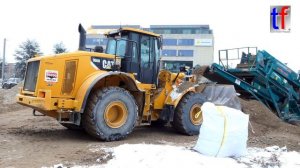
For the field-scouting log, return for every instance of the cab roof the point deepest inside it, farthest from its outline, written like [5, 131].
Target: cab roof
[131, 30]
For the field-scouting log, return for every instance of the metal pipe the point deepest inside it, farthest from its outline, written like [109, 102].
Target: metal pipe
[3, 60]
[82, 38]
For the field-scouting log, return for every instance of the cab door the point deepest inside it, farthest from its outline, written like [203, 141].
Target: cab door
[140, 56]
[147, 60]
[129, 61]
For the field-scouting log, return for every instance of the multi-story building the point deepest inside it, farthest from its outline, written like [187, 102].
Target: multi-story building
[9, 70]
[183, 45]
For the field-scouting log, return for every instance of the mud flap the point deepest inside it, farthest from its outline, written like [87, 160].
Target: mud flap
[34, 113]
[167, 113]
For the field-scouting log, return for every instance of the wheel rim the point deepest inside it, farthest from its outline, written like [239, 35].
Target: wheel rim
[115, 114]
[196, 114]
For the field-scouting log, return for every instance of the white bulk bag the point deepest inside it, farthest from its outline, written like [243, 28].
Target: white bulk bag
[224, 131]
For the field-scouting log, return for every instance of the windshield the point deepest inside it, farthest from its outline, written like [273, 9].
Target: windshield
[117, 46]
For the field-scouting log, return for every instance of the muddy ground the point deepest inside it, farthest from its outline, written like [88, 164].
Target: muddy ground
[28, 141]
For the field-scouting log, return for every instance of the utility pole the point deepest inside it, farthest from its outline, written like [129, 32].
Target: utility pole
[3, 60]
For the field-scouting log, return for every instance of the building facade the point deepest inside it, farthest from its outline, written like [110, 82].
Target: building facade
[183, 45]
[9, 70]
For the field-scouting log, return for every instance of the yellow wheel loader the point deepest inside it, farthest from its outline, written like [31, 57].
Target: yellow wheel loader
[109, 93]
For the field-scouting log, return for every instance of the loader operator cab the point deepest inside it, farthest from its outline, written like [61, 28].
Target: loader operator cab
[139, 52]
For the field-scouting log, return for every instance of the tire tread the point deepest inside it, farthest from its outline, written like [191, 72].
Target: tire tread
[89, 119]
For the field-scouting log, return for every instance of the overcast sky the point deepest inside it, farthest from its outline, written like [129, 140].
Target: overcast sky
[236, 23]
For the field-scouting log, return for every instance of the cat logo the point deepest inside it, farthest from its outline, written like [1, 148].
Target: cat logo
[102, 63]
[107, 64]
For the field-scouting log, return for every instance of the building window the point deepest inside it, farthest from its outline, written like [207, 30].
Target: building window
[96, 41]
[203, 31]
[176, 31]
[166, 31]
[186, 53]
[169, 42]
[186, 42]
[158, 31]
[92, 41]
[187, 31]
[103, 41]
[168, 52]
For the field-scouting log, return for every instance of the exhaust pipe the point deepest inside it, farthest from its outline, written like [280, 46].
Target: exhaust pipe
[82, 37]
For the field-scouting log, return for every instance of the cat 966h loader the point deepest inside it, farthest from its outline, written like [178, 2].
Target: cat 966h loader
[109, 93]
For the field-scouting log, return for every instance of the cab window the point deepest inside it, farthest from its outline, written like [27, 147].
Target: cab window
[145, 51]
[117, 46]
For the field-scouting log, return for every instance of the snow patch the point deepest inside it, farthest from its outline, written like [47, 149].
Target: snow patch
[148, 156]
[153, 156]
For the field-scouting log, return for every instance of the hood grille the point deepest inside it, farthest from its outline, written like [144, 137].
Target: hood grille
[69, 77]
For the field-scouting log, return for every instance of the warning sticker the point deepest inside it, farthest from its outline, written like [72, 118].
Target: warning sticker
[238, 82]
[51, 76]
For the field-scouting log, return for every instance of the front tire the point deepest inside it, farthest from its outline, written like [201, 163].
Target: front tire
[110, 114]
[188, 115]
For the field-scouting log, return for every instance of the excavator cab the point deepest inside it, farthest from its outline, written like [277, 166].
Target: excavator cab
[139, 52]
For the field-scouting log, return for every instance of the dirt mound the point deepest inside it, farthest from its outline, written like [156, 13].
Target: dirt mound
[268, 129]
[8, 99]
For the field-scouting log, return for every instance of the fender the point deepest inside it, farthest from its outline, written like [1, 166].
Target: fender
[171, 102]
[174, 97]
[191, 89]
[85, 89]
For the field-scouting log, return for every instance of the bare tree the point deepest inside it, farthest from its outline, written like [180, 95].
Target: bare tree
[59, 48]
[26, 50]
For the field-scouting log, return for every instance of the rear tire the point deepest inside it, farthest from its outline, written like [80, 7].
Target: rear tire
[188, 116]
[110, 114]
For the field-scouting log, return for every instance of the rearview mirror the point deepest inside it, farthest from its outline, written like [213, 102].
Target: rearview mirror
[160, 42]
